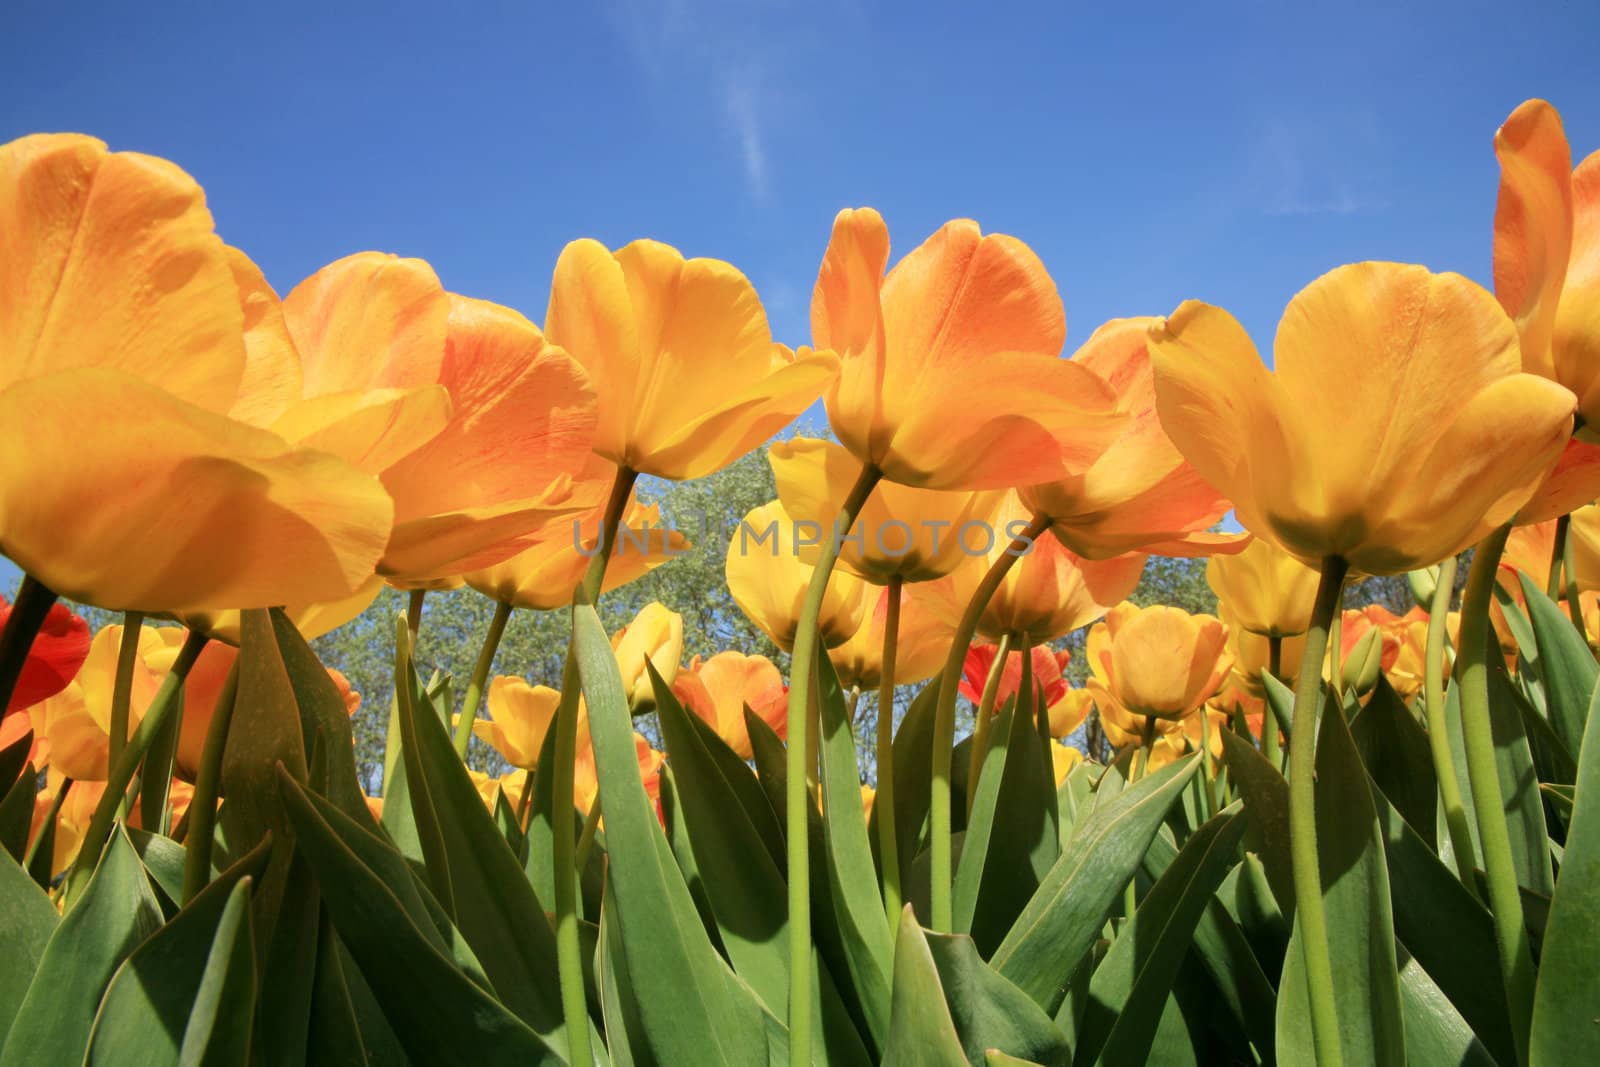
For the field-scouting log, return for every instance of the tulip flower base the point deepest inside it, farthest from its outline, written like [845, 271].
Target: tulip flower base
[650, 845]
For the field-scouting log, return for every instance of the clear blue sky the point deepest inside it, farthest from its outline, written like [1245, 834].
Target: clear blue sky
[1148, 152]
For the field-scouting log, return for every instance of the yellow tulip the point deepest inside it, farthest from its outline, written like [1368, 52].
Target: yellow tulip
[915, 535]
[1157, 662]
[1062, 759]
[544, 576]
[768, 581]
[922, 641]
[1396, 429]
[1139, 494]
[519, 717]
[679, 351]
[124, 338]
[1048, 592]
[656, 636]
[720, 688]
[1263, 590]
[951, 376]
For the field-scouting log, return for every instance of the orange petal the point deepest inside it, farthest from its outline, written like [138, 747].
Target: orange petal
[1533, 226]
[110, 260]
[371, 429]
[1576, 340]
[1574, 482]
[178, 509]
[591, 317]
[272, 379]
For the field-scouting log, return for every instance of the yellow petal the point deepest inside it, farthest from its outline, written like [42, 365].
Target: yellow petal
[1576, 337]
[175, 509]
[272, 379]
[591, 317]
[371, 429]
[1533, 226]
[109, 260]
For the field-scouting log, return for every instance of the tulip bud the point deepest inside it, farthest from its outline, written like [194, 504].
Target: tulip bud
[1424, 583]
[1364, 663]
[655, 634]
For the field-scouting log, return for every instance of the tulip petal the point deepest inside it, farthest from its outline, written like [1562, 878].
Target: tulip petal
[1533, 226]
[591, 316]
[371, 429]
[110, 260]
[128, 498]
[59, 649]
[1576, 339]
[445, 546]
[368, 320]
[272, 378]
[1574, 482]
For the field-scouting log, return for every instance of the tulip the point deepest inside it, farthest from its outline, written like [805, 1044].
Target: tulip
[950, 376]
[719, 690]
[921, 641]
[120, 298]
[915, 535]
[519, 717]
[1264, 590]
[1048, 668]
[79, 719]
[1063, 758]
[1156, 663]
[655, 636]
[1140, 494]
[687, 374]
[57, 652]
[768, 581]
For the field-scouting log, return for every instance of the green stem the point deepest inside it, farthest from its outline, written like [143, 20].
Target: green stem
[1336, 656]
[207, 783]
[121, 773]
[944, 725]
[797, 803]
[480, 677]
[1309, 913]
[1269, 717]
[1574, 610]
[414, 616]
[883, 802]
[1207, 771]
[28, 612]
[983, 723]
[1444, 765]
[1558, 556]
[563, 847]
[50, 817]
[525, 801]
[1136, 769]
[122, 683]
[1511, 935]
[591, 823]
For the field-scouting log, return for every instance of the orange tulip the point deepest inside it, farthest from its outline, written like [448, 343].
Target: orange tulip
[543, 577]
[921, 643]
[1048, 592]
[1157, 662]
[1264, 590]
[472, 419]
[915, 535]
[768, 581]
[1140, 494]
[951, 376]
[1396, 429]
[720, 688]
[687, 373]
[123, 330]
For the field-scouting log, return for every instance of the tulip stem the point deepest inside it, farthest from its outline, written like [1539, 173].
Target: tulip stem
[50, 817]
[525, 801]
[203, 807]
[480, 676]
[1336, 655]
[1558, 555]
[1309, 913]
[414, 616]
[888, 845]
[121, 773]
[1574, 610]
[944, 723]
[1511, 935]
[1269, 717]
[122, 687]
[591, 823]
[797, 802]
[1136, 769]
[1208, 777]
[984, 720]
[34, 600]
[1444, 766]
[563, 846]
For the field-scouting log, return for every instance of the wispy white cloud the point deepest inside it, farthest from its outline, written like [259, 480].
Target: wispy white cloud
[1300, 168]
[740, 98]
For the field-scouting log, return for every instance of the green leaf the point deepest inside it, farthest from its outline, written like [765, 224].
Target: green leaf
[1355, 893]
[1561, 797]
[16, 814]
[438, 1011]
[12, 759]
[152, 1003]
[1395, 750]
[1065, 915]
[335, 1031]
[847, 856]
[1012, 836]
[913, 780]
[155, 776]
[492, 902]
[1129, 989]
[116, 912]
[988, 1011]
[266, 732]
[163, 862]
[921, 1032]
[27, 919]
[1281, 697]
[322, 711]
[693, 1009]
[1435, 1031]
[1566, 1022]
[1565, 663]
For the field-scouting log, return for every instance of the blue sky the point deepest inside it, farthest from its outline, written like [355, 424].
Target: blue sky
[1149, 153]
